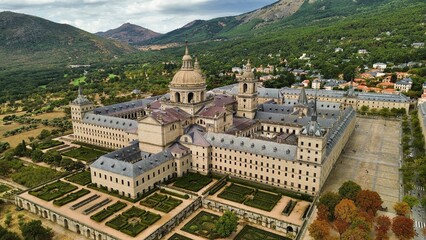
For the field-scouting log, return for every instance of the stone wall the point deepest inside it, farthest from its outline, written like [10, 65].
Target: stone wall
[175, 221]
[66, 222]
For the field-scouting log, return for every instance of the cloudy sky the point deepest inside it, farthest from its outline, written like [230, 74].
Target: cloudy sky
[158, 15]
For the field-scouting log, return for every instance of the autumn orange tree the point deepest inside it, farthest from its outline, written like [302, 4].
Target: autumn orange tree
[329, 200]
[383, 224]
[355, 233]
[368, 201]
[345, 210]
[340, 225]
[319, 230]
[402, 208]
[403, 227]
[323, 213]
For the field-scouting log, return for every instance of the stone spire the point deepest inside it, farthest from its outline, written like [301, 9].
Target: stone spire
[81, 99]
[80, 91]
[187, 59]
[303, 100]
[314, 114]
[197, 67]
[313, 128]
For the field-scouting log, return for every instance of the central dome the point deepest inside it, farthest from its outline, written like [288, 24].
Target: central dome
[187, 77]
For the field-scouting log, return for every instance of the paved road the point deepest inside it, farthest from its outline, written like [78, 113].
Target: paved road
[419, 214]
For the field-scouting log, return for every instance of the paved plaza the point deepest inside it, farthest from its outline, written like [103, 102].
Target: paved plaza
[371, 158]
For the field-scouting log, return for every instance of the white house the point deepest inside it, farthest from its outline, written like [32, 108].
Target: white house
[380, 66]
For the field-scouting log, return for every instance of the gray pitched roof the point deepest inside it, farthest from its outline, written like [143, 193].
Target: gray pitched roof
[130, 161]
[256, 146]
[123, 107]
[292, 119]
[127, 125]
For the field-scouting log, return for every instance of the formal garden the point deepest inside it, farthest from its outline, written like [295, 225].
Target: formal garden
[192, 181]
[133, 221]
[250, 196]
[71, 197]
[252, 233]
[161, 202]
[102, 215]
[178, 237]
[204, 225]
[81, 178]
[53, 190]
[84, 154]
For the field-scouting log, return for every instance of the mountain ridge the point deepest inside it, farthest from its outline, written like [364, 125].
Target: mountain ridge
[129, 33]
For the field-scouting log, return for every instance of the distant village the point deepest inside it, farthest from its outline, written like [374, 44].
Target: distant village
[379, 78]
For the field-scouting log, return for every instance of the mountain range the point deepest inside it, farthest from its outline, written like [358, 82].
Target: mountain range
[38, 50]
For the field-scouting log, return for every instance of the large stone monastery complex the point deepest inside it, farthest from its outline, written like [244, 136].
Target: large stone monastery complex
[268, 151]
[288, 138]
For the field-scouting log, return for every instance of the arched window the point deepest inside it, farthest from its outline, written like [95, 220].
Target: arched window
[244, 87]
[177, 97]
[190, 97]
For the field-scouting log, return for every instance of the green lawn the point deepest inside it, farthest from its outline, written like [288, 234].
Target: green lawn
[161, 202]
[81, 178]
[84, 154]
[252, 233]
[53, 190]
[192, 181]
[204, 225]
[79, 80]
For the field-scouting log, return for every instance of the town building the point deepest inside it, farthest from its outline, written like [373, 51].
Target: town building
[404, 85]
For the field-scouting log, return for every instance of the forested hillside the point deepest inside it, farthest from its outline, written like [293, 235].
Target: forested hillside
[36, 51]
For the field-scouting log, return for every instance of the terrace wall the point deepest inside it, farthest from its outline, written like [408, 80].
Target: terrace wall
[66, 222]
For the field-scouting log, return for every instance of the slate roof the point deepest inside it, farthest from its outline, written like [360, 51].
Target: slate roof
[130, 161]
[123, 107]
[196, 133]
[255, 146]
[292, 119]
[127, 125]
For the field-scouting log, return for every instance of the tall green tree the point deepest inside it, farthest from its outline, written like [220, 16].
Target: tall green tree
[33, 230]
[349, 190]
[227, 224]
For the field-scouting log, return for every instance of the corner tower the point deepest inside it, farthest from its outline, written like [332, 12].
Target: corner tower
[80, 105]
[247, 94]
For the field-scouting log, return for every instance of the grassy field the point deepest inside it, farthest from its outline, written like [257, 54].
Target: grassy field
[50, 115]
[16, 139]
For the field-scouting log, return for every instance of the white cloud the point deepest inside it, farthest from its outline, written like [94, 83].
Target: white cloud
[158, 15]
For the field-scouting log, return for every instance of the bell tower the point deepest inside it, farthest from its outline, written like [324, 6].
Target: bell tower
[247, 94]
